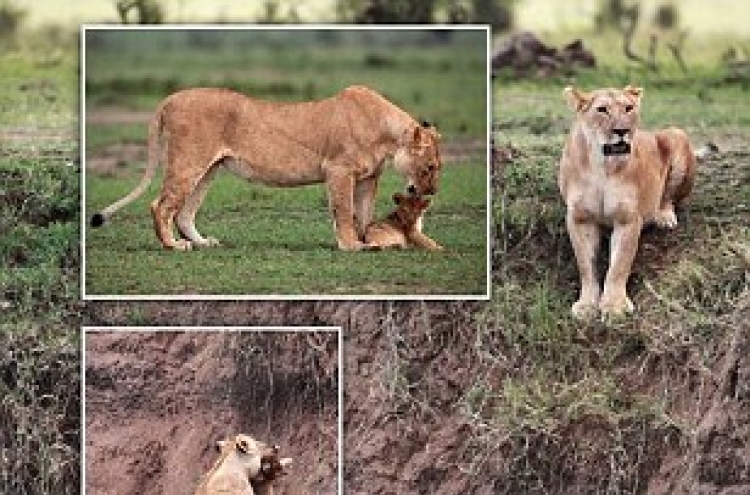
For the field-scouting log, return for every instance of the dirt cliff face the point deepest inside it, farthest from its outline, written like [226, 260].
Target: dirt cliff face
[157, 402]
[410, 368]
[717, 461]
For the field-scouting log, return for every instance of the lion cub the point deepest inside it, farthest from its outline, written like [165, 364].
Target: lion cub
[613, 174]
[403, 227]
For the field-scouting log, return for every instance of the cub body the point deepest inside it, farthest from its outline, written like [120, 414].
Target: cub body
[402, 227]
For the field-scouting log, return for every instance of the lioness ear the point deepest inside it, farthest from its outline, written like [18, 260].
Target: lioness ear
[577, 99]
[634, 92]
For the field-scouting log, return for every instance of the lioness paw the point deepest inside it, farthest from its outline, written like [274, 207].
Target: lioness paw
[207, 242]
[181, 245]
[615, 308]
[666, 218]
[584, 310]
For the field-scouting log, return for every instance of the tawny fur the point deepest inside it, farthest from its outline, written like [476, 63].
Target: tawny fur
[342, 141]
[623, 192]
[242, 468]
[402, 228]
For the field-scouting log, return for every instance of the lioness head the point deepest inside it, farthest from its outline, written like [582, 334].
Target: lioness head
[248, 451]
[609, 117]
[418, 159]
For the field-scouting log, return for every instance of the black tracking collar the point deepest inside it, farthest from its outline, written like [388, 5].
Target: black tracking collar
[620, 148]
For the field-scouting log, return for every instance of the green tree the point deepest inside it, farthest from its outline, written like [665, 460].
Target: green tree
[11, 18]
[497, 13]
[146, 11]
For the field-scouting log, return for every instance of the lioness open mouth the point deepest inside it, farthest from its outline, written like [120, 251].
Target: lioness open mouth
[619, 148]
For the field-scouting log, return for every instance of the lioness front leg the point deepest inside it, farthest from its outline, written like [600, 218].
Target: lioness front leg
[623, 247]
[340, 186]
[585, 238]
[364, 202]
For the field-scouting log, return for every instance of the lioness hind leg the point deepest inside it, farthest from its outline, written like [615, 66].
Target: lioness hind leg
[186, 215]
[677, 151]
[163, 212]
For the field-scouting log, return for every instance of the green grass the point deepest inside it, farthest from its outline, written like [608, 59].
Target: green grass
[39, 274]
[37, 91]
[281, 241]
[441, 82]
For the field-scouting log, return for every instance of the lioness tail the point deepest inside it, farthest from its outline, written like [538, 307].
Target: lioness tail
[154, 151]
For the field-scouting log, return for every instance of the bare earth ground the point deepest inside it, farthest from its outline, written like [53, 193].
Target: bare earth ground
[408, 366]
[156, 403]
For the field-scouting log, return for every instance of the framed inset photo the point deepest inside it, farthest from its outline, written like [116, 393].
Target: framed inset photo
[285, 162]
[182, 408]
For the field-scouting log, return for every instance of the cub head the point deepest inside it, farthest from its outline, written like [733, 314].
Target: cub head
[409, 208]
[272, 466]
[609, 117]
[418, 159]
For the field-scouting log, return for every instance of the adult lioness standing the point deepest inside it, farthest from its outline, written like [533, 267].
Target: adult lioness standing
[614, 174]
[342, 141]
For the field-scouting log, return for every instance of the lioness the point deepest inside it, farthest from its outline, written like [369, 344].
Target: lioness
[245, 467]
[402, 228]
[342, 141]
[614, 174]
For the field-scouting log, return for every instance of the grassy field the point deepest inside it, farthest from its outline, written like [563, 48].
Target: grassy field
[39, 282]
[281, 242]
[278, 241]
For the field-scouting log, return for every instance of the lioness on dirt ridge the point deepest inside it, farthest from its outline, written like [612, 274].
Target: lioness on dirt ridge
[342, 141]
[614, 174]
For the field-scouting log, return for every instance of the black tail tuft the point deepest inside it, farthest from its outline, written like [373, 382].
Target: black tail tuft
[97, 220]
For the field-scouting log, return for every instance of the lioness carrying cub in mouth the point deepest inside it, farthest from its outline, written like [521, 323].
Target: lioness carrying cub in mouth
[245, 467]
[614, 174]
[342, 141]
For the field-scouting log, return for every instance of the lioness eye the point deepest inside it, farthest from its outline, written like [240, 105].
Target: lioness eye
[601, 109]
[431, 167]
[628, 108]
